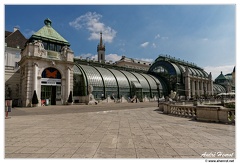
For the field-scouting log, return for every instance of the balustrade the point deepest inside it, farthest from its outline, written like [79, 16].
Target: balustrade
[202, 113]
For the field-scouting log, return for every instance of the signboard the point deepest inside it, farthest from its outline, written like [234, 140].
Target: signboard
[51, 81]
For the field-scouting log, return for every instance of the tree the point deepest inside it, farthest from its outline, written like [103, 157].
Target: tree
[34, 99]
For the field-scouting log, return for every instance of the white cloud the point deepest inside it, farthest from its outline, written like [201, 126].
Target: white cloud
[205, 39]
[154, 45]
[146, 59]
[108, 57]
[86, 55]
[164, 38]
[91, 21]
[216, 70]
[144, 45]
[113, 57]
[94, 57]
[157, 36]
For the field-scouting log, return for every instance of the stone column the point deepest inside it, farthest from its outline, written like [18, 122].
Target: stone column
[35, 73]
[193, 87]
[208, 88]
[202, 88]
[187, 86]
[211, 87]
[210, 84]
[187, 83]
[197, 87]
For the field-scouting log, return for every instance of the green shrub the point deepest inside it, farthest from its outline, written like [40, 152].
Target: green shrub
[230, 105]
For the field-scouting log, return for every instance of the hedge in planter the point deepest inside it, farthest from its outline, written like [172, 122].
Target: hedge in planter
[70, 99]
[34, 99]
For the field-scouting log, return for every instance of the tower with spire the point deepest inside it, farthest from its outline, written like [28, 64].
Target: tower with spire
[101, 50]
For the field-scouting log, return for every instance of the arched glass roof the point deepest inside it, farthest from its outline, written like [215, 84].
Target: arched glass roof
[76, 70]
[171, 68]
[192, 71]
[205, 74]
[93, 76]
[142, 81]
[217, 88]
[130, 76]
[150, 80]
[108, 78]
[117, 81]
[177, 67]
[121, 79]
[182, 68]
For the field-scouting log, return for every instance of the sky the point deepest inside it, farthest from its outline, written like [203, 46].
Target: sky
[202, 34]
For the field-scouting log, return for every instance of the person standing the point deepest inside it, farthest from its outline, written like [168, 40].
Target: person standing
[8, 100]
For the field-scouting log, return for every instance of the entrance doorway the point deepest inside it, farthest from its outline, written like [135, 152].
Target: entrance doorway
[51, 86]
[50, 94]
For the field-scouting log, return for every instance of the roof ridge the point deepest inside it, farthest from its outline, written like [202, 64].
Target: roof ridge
[10, 34]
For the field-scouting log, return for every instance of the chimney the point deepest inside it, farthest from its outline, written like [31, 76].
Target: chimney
[15, 29]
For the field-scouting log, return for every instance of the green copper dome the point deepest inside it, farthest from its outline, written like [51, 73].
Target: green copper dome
[221, 77]
[47, 33]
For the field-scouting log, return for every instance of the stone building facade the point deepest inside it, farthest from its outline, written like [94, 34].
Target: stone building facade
[133, 63]
[14, 43]
[46, 67]
[226, 81]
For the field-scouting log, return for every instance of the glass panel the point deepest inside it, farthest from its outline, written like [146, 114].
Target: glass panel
[58, 93]
[94, 79]
[153, 84]
[45, 44]
[46, 92]
[109, 79]
[143, 81]
[58, 48]
[121, 79]
[51, 46]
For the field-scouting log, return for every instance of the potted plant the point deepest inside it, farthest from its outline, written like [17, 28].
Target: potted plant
[70, 99]
[34, 99]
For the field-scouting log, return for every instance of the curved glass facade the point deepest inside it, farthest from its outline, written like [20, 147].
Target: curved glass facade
[110, 81]
[217, 88]
[123, 83]
[92, 78]
[173, 72]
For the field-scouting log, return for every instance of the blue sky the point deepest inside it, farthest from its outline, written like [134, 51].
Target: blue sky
[203, 34]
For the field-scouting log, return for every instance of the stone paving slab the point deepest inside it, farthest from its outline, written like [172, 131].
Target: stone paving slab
[113, 131]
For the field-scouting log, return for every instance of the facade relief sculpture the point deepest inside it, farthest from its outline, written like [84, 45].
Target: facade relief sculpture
[40, 48]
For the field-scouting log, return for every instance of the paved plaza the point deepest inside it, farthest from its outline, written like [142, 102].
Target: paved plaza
[113, 131]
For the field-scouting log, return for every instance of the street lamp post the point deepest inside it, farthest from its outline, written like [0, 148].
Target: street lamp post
[158, 93]
[177, 84]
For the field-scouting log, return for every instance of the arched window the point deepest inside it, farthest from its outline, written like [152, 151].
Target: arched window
[51, 73]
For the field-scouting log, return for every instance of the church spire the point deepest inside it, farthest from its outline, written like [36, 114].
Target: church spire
[101, 46]
[101, 50]
[100, 38]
